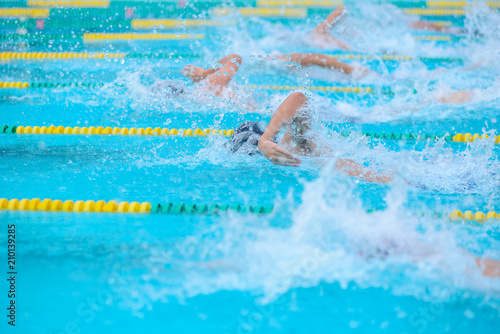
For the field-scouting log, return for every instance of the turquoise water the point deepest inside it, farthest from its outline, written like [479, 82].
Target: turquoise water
[336, 255]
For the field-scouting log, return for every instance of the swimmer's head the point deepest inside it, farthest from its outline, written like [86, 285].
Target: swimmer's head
[174, 89]
[167, 88]
[245, 139]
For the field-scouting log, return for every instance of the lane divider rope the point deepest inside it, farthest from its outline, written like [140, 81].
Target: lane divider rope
[106, 37]
[54, 85]
[434, 12]
[100, 130]
[61, 55]
[393, 57]
[171, 23]
[263, 12]
[457, 215]
[331, 89]
[93, 85]
[149, 131]
[103, 55]
[367, 90]
[443, 23]
[458, 138]
[305, 3]
[90, 55]
[69, 3]
[101, 206]
[78, 26]
[120, 13]
[98, 7]
[33, 13]
[439, 38]
[478, 216]
[455, 4]
[336, 89]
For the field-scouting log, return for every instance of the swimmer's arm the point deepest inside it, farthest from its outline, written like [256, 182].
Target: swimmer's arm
[430, 26]
[458, 96]
[489, 268]
[280, 120]
[354, 169]
[326, 61]
[332, 19]
[322, 30]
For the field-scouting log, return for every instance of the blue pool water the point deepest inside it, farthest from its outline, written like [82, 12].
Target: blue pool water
[337, 254]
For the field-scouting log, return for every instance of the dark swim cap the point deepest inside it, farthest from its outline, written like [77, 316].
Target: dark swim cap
[173, 89]
[245, 139]
[167, 87]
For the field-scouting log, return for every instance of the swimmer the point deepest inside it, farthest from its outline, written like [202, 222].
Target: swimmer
[252, 138]
[325, 61]
[321, 36]
[359, 72]
[455, 97]
[431, 26]
[215, 80]
[488, 267]
[218, 79]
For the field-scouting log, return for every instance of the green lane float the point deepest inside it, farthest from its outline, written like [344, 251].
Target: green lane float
[210, 209]
[8, 129]
[101, 206]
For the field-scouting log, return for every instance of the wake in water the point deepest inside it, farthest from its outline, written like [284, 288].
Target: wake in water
[332, 239]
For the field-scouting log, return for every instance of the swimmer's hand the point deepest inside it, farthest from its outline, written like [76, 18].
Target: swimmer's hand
[196, 73]
[276, 154]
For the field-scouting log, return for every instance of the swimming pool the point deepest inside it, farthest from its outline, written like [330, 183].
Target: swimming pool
[229, 243]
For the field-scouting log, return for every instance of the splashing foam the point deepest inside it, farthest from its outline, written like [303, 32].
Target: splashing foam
[436, 167]
[332, 239]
